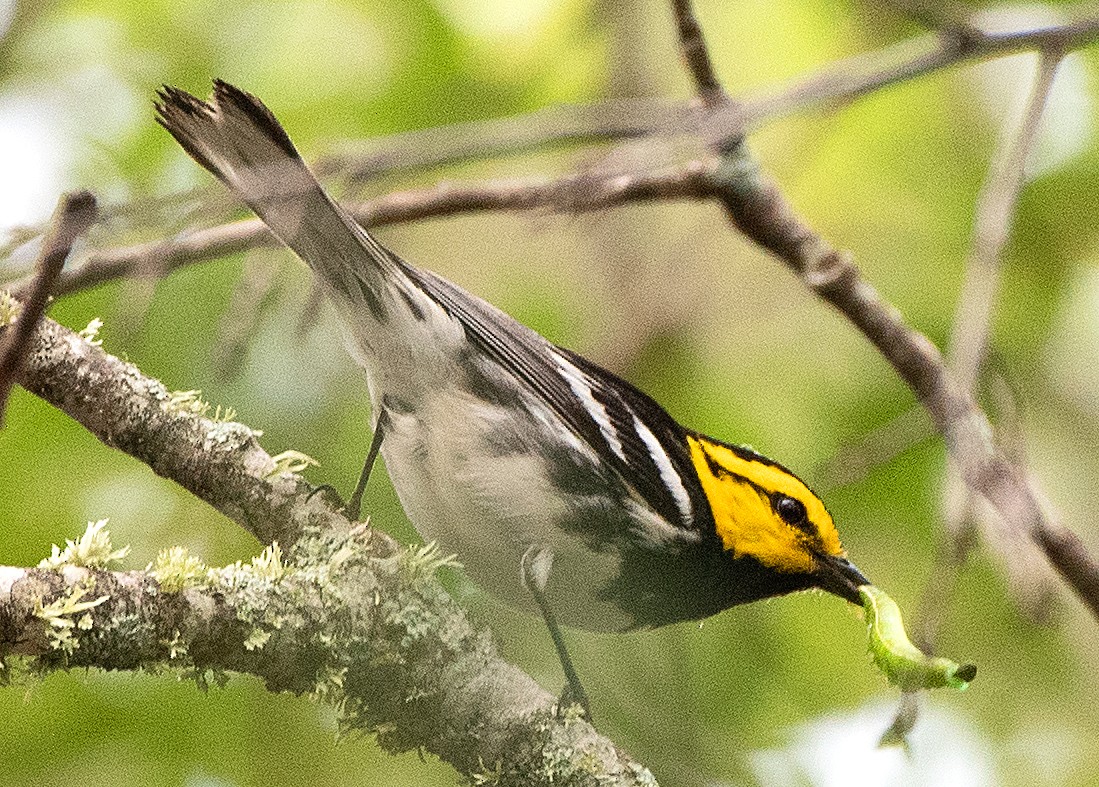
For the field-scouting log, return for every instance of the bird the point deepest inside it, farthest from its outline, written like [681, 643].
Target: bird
[561, 488]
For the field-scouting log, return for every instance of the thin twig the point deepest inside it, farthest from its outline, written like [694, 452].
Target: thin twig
[946, 17]
[696, 54]
[423, 149]
[973, 317]
[912, 58]
[854, 461]
[569, 193]
[75, 213]
[991, 230]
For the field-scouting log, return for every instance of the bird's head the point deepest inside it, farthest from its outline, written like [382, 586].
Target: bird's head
[763, 511]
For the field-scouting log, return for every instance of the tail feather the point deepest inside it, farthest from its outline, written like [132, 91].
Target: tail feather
[238, 139]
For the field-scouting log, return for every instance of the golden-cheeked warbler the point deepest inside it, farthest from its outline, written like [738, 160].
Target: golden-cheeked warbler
[553, 480]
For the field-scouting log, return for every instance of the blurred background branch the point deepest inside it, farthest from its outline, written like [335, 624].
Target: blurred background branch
[637, 149]
[74, 215]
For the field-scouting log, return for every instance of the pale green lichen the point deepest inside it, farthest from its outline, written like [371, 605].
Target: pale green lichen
[177, 646]
[186, 403]
[175, 569]
[267, 565]
[558, 760]
[66, 614]
[290, 462]
[91, 550]
[9, 308]
[192, 403]
[266, 593]
[643, 775]
[90, 333]
[330, 686]
[257, 639]
[487, 776]
[571, 713]
[427, 559]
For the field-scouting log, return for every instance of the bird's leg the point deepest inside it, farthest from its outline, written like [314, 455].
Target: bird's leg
[355, 504]
[534, 572]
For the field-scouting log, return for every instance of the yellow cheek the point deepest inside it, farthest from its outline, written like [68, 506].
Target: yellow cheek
[747, 524]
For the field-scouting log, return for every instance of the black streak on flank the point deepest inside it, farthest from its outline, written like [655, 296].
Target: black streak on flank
[489, 381]
[377, 310]
[255, 109]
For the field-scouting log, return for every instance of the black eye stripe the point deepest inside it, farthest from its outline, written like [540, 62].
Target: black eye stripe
[789, 509]
[792, 511]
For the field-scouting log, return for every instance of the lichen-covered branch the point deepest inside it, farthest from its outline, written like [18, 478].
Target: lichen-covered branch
[342, 617]
[216, 459]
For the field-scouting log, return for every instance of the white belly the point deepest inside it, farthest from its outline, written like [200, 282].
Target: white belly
[468, 480]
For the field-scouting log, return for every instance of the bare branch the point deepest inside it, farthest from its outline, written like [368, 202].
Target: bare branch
[992, 227]
[853, 462]
[760, 211]
[696, 55]
[75, 213]
[569, 193]
[865, 73]
[549, 126]
[973, 317]
[721, 126]
[946, 17]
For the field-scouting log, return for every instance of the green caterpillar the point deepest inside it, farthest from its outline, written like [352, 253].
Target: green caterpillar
[905, 665]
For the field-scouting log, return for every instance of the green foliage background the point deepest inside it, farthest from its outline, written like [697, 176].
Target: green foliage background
[775, 693]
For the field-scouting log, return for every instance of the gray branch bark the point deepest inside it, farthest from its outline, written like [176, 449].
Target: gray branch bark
[349, 617]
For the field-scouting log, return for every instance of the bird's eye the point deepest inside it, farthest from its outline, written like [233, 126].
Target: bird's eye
[791, 510]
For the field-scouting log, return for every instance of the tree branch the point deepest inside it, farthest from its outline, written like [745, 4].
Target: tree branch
[574, 192]
[696, 55]
[866, 73]
[344, 620]
[349, 616]
[722, 125]
[549, 126]
[969, 343]
[218, 461]
[75, 213]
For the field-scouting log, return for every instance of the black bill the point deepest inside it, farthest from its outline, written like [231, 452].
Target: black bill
[838, 575]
